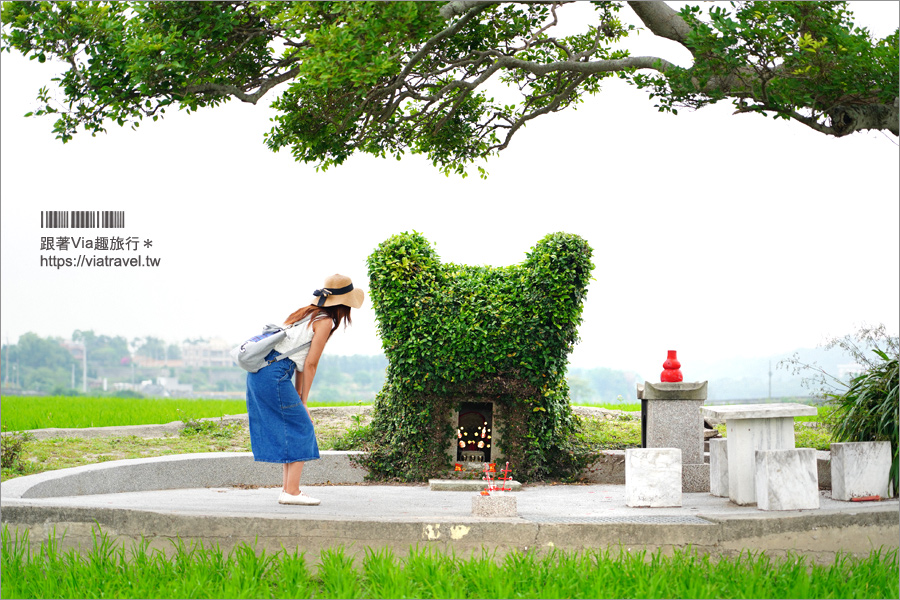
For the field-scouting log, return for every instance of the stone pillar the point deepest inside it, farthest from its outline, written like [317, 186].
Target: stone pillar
[718, 467]
[673, 421]
[640, 396]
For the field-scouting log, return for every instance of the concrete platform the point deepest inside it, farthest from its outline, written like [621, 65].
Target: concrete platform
[570, 517]
[468, 485]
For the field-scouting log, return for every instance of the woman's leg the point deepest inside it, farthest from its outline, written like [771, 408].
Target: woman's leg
[292, 472]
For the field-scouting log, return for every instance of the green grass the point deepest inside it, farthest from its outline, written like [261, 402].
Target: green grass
[40, 412]
[37, 456]
[613, 434]
[824, 410]
[818, 437]
[190, 570]
[629, 407]
[60, 453]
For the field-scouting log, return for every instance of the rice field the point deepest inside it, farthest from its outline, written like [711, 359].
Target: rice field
[191, 570]
[40, 412]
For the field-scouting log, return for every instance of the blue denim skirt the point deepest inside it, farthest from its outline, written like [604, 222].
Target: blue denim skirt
[280, 428]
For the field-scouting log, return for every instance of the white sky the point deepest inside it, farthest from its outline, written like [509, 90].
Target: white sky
[715, 235]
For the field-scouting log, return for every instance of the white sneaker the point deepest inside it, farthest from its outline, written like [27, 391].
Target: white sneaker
[301, 499]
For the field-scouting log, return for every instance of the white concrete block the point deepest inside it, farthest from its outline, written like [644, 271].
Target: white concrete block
[653, 477]
[787, 479]
[745, 437]
[718, 467]
[494, 506]
[860, 469]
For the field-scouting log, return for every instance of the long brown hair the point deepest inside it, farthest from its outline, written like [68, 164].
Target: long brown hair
[337, 313]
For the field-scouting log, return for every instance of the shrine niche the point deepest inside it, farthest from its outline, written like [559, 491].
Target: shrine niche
[477, 358]
[474, 437]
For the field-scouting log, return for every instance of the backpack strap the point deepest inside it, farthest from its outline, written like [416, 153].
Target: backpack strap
[289, 352]
[292, 350]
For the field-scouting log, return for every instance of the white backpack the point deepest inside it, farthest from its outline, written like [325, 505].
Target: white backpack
[251, 355]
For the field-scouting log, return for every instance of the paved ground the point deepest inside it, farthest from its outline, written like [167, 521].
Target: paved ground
[223, 498]
[402, 517]
[543, 504]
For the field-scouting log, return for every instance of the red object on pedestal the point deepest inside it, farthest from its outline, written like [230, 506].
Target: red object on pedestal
[672, 372]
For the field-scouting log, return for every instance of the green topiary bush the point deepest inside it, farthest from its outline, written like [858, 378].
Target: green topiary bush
[455, 332]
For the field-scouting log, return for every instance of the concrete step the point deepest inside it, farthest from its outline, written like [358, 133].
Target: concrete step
[467, 485]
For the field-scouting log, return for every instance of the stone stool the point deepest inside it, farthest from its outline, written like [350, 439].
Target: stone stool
[653, 477]
[787, 479]
[860, 469]
[495, 505]
[718, 467]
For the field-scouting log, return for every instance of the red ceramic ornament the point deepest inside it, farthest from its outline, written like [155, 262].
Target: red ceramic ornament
[672, 369]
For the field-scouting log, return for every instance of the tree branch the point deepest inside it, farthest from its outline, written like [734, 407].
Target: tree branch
[424, 50]
[458, 7]
[849, 119]
[553, 106]
[594, 66]
[844, 119]
[662, 20]
[232, 90]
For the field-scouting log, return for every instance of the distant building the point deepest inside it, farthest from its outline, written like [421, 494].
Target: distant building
[76, 349]
[143, 361]
[121, 386]
[207, 353]
[167, 387]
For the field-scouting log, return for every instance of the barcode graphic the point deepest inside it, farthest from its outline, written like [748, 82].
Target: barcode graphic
[82, 219]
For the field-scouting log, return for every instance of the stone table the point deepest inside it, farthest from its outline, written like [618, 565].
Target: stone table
[752, 427]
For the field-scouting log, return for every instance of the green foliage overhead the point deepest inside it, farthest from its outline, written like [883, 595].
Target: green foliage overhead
[389, 78]
[453, 332]
[783, 58]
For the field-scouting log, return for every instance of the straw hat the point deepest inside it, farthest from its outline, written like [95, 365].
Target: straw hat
[338, 289]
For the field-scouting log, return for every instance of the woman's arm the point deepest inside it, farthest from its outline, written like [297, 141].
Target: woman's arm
[304, 379]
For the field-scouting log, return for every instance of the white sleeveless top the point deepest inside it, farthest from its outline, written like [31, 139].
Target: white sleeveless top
[297, 335]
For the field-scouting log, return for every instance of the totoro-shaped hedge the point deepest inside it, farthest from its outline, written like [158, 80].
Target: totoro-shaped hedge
[456, 333]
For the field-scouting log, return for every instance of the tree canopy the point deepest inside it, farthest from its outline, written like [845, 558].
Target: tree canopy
[390, 78]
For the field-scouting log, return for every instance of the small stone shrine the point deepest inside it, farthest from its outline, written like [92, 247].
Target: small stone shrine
[671, 419]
